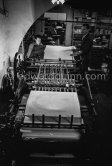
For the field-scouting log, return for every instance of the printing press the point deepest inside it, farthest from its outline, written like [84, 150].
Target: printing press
[53, 113]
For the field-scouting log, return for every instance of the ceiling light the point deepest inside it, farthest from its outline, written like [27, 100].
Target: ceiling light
[58, 1]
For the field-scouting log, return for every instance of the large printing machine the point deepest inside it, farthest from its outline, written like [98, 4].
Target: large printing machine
[52, 115]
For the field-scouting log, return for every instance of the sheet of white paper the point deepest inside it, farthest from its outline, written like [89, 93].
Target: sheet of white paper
[56, 52]
[53, 104]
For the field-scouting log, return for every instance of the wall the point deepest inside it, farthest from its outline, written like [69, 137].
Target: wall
[3, 56]
[20, 18]
[21, 15]
[41, 6]
[13, 27]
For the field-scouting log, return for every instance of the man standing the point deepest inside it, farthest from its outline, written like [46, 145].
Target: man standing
[86, 46]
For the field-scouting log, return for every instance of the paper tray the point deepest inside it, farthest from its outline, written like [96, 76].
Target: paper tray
[52, 104]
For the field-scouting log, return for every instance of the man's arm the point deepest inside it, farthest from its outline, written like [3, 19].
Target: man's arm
[29, 50]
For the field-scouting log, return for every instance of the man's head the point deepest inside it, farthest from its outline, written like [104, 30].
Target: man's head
[85, 29]
[38, 39]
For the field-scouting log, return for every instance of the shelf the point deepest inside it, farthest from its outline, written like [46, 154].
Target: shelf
[100, 26]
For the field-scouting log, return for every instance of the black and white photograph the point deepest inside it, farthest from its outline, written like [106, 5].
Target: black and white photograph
[55, 83]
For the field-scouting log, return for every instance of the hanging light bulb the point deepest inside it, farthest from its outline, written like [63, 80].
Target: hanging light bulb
[58, 1]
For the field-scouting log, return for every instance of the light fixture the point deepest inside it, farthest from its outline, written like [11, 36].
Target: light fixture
[58, 1]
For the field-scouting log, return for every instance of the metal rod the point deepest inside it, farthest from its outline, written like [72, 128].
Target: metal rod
[71, 122]
[90, 93]
[43, 120]
[33, 120]
[59, 121]
[39, 72]
[89, 88]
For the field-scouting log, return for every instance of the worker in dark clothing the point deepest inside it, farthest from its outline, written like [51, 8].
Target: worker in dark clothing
[36, 49]
[86, 46]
